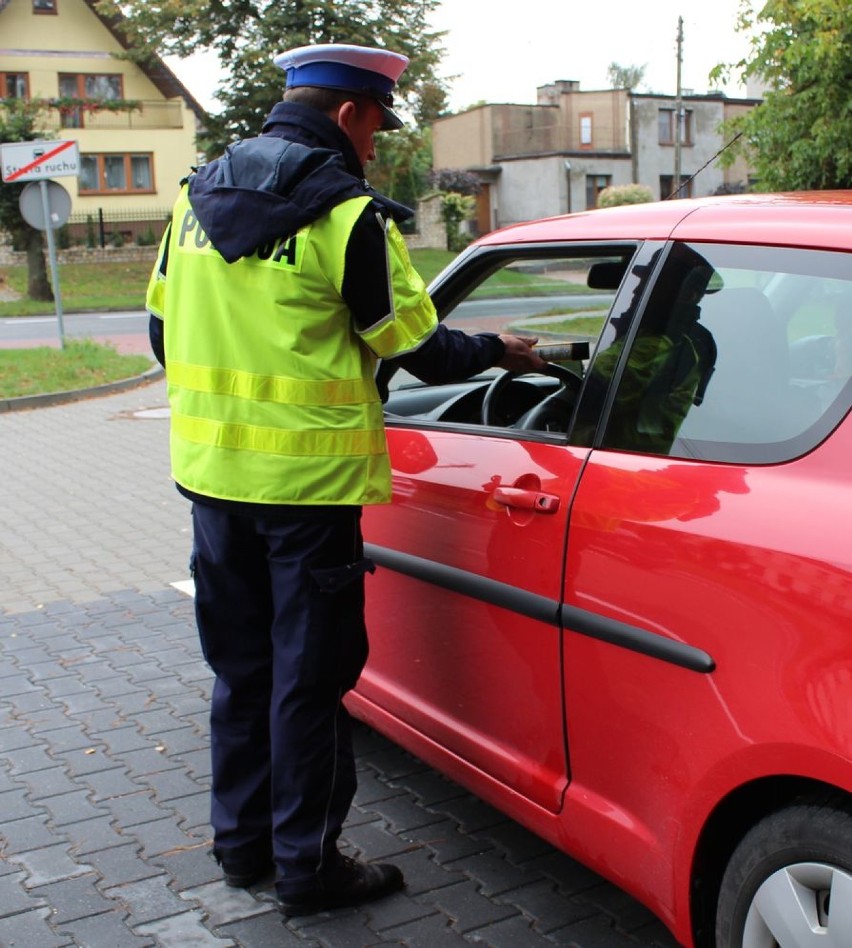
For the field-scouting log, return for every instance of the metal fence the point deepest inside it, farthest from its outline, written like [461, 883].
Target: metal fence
[115, 228]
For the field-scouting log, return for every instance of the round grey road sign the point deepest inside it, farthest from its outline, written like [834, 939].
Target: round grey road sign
[32, 206]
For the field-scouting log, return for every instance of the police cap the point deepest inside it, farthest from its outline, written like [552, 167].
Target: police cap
[362, 69]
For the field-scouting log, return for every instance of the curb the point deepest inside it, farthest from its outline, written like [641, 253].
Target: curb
[76, 395]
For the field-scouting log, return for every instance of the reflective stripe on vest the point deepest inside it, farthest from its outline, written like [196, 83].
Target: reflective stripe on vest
[275, 441]
[270, 388]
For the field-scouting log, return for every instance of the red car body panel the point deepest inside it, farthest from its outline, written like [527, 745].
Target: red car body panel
[794, 220]
[618, 757]
[458, 666]
[641, 521]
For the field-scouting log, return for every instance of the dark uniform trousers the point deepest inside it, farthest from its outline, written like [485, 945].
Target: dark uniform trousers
[280, 612]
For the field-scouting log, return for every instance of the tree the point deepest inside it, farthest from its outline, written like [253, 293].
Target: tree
[402, 165]
[19, 123]
[431, 102]
[799, 136]
[247, 33]
[624, 77]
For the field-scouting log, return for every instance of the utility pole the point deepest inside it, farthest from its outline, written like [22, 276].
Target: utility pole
[678, 116]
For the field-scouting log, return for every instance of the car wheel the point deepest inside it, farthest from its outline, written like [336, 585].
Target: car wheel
[789, 882]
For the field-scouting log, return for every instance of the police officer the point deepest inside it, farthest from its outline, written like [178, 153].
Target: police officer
[282, 278]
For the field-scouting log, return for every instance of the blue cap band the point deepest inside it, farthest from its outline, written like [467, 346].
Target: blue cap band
[339, 76]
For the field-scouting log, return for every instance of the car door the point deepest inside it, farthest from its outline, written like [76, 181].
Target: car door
[703, 562]
[463, 612]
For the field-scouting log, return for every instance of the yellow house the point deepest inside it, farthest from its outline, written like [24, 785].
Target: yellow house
[132, 158]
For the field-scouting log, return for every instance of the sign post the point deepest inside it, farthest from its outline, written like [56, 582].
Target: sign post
[44, 204]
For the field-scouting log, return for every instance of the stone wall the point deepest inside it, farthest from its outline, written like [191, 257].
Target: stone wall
[128, 254]
[431, 229]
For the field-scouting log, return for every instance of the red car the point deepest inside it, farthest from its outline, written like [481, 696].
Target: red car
[615, 600]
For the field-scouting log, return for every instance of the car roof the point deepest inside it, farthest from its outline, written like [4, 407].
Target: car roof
[818, 219]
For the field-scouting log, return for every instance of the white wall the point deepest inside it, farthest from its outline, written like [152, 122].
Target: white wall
[654, 159]
[531, 188]
[538, 187]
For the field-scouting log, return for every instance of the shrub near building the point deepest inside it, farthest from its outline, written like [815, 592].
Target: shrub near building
[625, 194]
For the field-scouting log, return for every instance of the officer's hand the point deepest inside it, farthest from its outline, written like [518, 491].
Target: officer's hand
[520, 356]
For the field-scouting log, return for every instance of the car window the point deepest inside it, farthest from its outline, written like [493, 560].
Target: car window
[554, 297]
[562, 298]
[742, 355]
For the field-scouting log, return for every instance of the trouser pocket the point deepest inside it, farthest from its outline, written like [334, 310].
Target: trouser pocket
[336, 648]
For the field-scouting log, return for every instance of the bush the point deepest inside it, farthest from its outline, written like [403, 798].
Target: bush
[456, 180]
[736, 187]
[63, 237]
[618, 194]
[456, 208]
[147, 238]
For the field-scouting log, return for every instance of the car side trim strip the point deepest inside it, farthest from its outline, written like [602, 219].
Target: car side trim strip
[543, 609]
[629, 636]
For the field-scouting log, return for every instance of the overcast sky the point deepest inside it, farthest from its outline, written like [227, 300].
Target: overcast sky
[501, 50]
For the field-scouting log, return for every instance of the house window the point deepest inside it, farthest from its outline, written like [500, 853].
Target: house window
[14, 85]
[595, 183]
[667, 186]
[86, 86]
[586, 130]
[686, 127]
[666, 126]
[115, 173]
[44, 6]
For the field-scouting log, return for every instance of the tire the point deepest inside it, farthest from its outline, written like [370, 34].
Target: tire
[789, 882]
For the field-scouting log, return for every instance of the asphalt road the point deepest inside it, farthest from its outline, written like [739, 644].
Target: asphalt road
[35, 330]
[25, 331]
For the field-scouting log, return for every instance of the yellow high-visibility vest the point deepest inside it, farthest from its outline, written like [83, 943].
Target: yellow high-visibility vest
[271, 388]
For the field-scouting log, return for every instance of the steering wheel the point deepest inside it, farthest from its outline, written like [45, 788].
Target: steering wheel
[569, 387]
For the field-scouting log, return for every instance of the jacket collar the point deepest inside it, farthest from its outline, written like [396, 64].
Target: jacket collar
[308, 126]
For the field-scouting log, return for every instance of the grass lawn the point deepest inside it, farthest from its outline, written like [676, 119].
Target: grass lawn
[84, 287]
[81, 364]
[90, 287]
[586, 323]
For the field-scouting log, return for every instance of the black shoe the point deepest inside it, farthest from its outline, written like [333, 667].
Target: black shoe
[242, 866]
[350, 883]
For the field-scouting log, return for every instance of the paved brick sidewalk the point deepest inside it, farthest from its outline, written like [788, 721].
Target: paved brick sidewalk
[104, 769]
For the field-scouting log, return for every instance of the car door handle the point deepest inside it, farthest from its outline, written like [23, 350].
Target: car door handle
[526, 499]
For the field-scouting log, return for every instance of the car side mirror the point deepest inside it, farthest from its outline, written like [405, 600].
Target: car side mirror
[606, 274]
